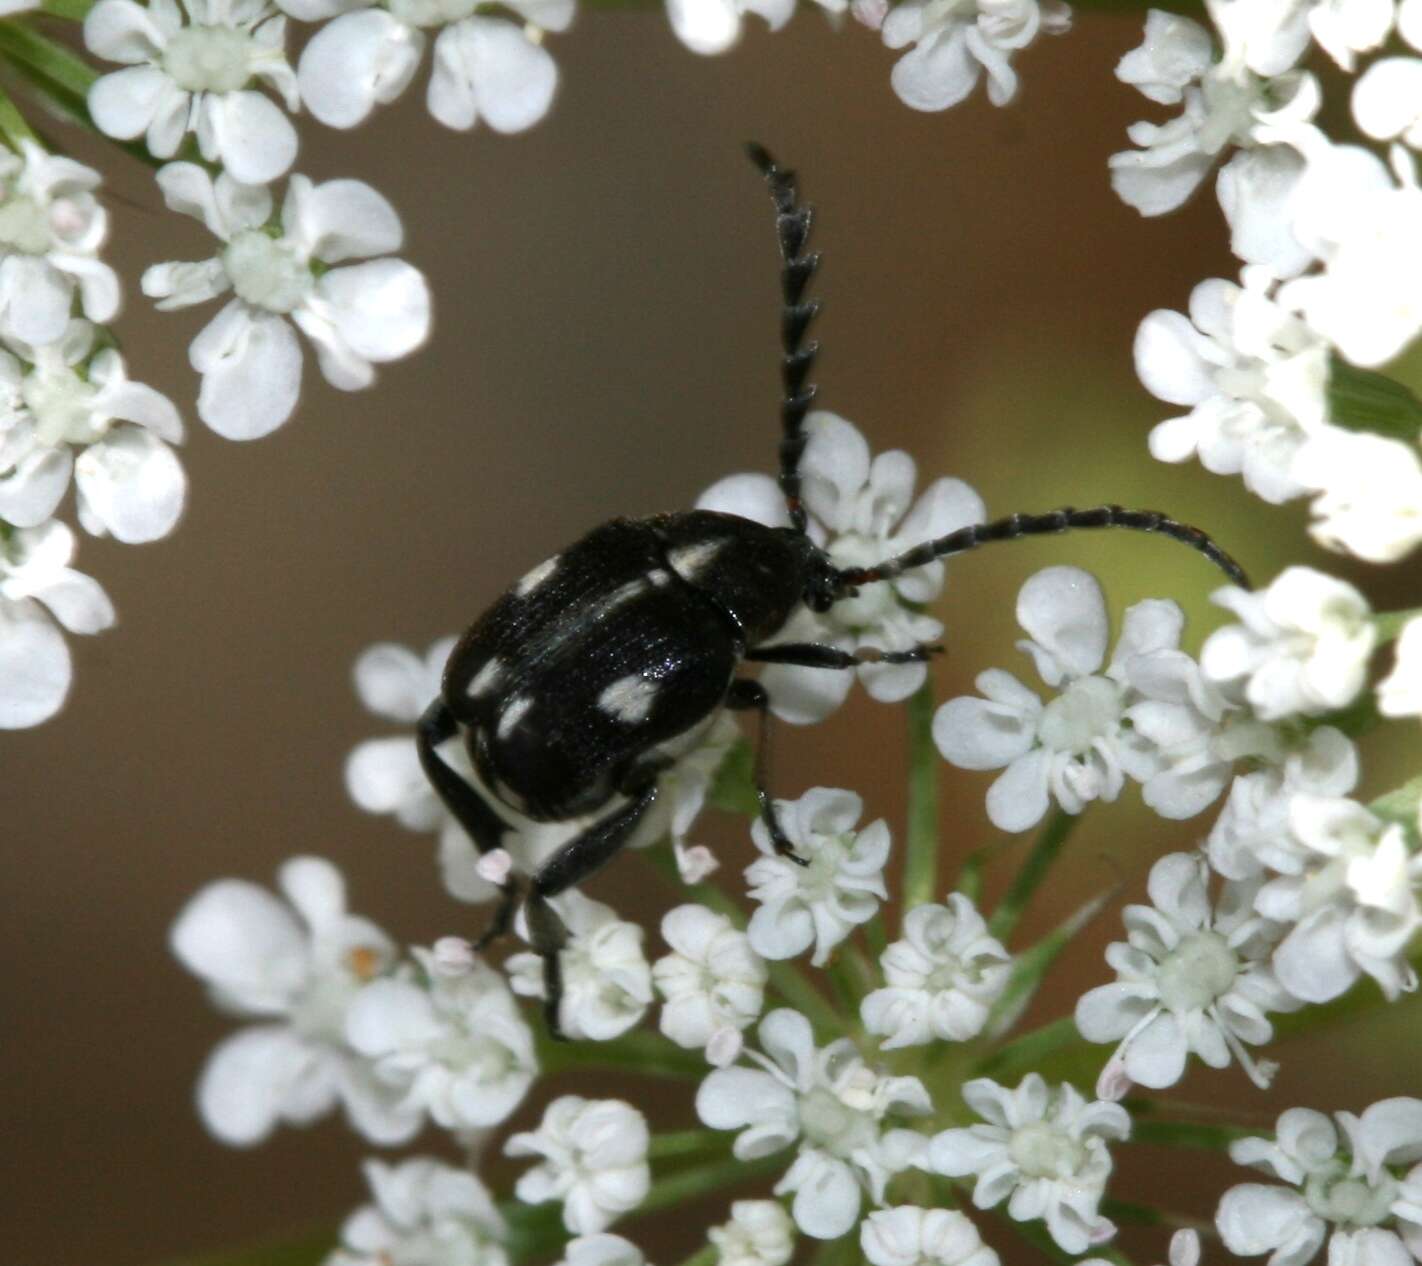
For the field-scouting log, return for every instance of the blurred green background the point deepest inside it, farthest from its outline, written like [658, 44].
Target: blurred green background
[605, 343]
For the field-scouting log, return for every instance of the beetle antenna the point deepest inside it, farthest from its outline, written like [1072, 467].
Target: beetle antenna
[1066, 519]
[792, 228]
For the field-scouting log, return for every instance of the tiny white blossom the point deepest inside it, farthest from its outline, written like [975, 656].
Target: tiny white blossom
[356, 314]
[955, 42]
[1192, 980]
[820, 903]
[1255, 378]
[594, 1160]
[713, 26]
[51, 229]
[1224, 100]
[37, 588]
[1184, 1250]
[1346, 1187]
[1354, 898]
[1302, 647]
[942, 977]
[296, 965]
[863, 512]
[1344, 28]
[1042, 1149]
[425, 1213]
[485, 67]
[196, 77]
[454, 1045]
[910, 1236]
[760, 1233]
[1370, 493]
[1151, 716]
[1400, 692]
[713, 982]
[601, 1249]
[607, 984]
[829, 1100]
[66, 393]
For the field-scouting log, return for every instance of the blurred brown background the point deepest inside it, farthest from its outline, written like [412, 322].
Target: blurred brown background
[604, 344]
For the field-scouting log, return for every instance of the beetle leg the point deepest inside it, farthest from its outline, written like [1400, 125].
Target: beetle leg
[483, 826]
[745, 695]
[815, 655]
[569, 866]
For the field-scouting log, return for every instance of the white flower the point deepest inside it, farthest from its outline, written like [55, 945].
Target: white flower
[1257, 190]
[713, 982]
[954, 41]
[355, 314]
[296, 964]
[1355, 898]
[1302, 648]
[1353, 1192]
[1370, 493]
[1255, 378]
[712, 26]
[601, 1249]
[51, 229]
[484, 67]
[1224, 100]
[910, 1236]
[594, 1160]
[196, 78]
[1151, 715]
[1184, 1250]
[760, 1233]
[607, 984]
[821, 903]
[454, 1045]
[860, 511]
[1192, 980]
[1043, 1148]
[1400, 692]
[942, 978]
[36, 582]
[425, 1214]
[1252, 833]
[1346, 27]
[833, 1103]
[130, 482]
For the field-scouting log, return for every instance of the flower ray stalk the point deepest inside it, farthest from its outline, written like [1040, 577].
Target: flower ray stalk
[1034, 870]
[920, 880]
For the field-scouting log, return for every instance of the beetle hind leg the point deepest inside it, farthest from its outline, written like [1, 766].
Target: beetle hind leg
[746, 695]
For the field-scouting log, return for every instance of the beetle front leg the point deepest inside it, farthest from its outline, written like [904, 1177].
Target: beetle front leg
[745, 695]
[817, 655]
[483, 826]
[569, 866]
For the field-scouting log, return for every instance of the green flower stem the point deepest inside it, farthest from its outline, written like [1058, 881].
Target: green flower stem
[920, 884]
[1034, 870]
[641, 1051]
[706, 1255]
[12, 124]
[1020, 1056]
[874, 935]
[534, 1230]
[1400, 804]
[687, 1143]
[49, 58]
[788, 980]
[1390, 623]
[71, 10]
[970, 876]
[695, 1181]
[1193, 1134]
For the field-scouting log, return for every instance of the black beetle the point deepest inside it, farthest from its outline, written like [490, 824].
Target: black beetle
[605, 663]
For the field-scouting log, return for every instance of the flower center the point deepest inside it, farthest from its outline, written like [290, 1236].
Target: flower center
[828, 1122]
[61, 404]
[268, 273]
[24, 226]
[1042, 1151]
[875, 602]
[1350, 1201]
[1199, 970]
[1088, 709]
[209, 59]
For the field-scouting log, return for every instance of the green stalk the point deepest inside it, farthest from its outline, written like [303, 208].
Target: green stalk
[641, 1051]
[687, 1143]
[1193, 1134]
[920, 884]
[1016, 1058]
[695, 1181]
[71, 10]
[1390, 623]
[1034, 870]
[706, 1255]
[49, 58]
[12, 124]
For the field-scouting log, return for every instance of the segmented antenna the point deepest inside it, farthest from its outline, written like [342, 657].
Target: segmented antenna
[792, 229]
[1063, 520]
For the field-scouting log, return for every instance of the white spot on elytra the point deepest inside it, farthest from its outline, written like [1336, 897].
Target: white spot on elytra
[660, 577]
[687, 560]
[487, 677]
[536, 577]
[629, 698]
[513, 714]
